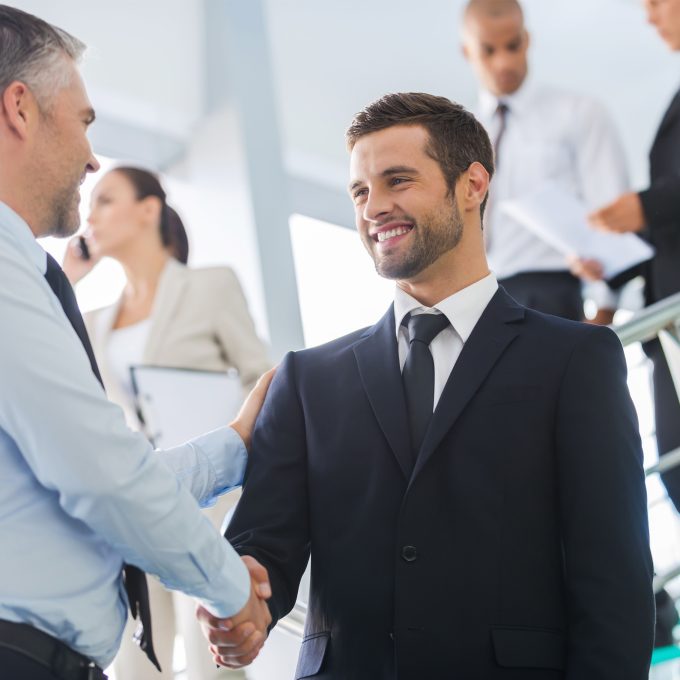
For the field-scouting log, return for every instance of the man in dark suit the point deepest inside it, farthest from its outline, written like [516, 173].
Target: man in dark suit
[503, 536]
[655, 215]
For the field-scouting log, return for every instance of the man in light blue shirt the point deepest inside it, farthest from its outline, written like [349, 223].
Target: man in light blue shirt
[80, 494]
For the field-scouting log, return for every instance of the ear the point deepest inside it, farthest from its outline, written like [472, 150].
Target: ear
[473, 187]
[19, 109]
[527, 38]
[151, 207]
[465, 51]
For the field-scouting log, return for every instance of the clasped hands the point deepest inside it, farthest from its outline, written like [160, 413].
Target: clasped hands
[236, 641]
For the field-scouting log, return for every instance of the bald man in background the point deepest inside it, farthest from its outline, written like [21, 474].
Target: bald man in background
[540, 134]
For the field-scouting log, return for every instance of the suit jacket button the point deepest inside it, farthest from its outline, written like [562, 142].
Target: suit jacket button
[409, 553]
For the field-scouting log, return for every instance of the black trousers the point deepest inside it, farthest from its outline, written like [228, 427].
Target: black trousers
[16, 666]
[666, 416]
[553, 292]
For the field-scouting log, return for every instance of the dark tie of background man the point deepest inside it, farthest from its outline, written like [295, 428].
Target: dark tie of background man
[502, 112]
[134, 578]
[418, 373]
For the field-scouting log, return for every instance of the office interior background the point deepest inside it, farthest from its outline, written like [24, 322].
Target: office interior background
[242, 105]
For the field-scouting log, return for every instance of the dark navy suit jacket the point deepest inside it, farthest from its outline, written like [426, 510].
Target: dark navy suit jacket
[516, 548]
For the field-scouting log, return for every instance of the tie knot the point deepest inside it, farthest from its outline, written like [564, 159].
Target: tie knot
[502, 109]
[426, 327]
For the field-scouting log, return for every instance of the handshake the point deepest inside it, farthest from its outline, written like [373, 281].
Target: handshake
[236, 641]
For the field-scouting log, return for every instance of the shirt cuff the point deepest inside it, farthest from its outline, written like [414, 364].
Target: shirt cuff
[226, 455]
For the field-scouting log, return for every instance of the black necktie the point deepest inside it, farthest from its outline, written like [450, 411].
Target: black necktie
[134, 578]
[418, 374]
[502, 112]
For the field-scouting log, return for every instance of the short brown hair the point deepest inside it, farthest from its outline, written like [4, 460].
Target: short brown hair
[456, 138]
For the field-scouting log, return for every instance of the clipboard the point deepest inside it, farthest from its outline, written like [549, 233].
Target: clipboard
[178, 404]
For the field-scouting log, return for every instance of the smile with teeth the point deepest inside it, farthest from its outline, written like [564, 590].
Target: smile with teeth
[397, 231]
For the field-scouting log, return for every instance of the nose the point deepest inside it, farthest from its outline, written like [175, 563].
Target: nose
[378, 204]
[93, 164]
[504, 61]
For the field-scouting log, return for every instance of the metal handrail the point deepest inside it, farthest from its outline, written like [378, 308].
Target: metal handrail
[647, 323]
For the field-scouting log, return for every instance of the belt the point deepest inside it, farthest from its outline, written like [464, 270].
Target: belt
[42, 648]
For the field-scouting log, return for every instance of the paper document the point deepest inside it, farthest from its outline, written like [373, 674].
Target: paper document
[560, 219]
[178, 404]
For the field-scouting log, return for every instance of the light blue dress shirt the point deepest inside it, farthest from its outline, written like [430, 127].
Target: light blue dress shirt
[79, 492]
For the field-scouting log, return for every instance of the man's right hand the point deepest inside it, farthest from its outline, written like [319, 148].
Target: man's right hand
[235, 642]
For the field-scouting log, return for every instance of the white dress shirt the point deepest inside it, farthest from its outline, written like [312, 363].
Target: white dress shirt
[463, 310]
[549, 135]
[79, 492]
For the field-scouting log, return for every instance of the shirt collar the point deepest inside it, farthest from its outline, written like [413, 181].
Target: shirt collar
[517, 102]
[19, 230]
[462, 309]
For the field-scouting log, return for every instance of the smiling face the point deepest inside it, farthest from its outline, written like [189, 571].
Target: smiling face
[63, 156]
[405, 212]
[664, 15]
[496, 47]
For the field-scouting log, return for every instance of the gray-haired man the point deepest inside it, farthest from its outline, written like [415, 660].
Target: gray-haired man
[80, 494]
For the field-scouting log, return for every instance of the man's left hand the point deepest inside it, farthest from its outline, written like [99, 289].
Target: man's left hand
[624, 215]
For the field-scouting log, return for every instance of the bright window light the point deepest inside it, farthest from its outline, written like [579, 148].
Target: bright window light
[338, 286]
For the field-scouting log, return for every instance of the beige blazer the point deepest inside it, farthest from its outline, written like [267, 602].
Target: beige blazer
[199, 320]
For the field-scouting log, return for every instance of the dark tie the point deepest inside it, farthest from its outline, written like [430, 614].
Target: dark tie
[502, 112]
[418, 374]
[134, 578]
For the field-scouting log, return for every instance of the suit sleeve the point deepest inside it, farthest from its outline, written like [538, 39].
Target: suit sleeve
[271, 521]
[603, 509]
[661, 203]
[661, 200]
[236, 331]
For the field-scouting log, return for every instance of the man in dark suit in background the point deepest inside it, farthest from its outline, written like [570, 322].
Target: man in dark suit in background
[655, 215]
[467, 473]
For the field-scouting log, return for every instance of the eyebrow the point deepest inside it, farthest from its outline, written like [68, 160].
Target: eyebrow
[388, 172]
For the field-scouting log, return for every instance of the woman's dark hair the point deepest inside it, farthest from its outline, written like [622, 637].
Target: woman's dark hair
[173, 233]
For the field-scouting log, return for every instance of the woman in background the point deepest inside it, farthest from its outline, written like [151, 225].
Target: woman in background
[168, 315]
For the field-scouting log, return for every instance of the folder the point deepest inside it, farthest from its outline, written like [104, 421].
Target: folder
[560, 219]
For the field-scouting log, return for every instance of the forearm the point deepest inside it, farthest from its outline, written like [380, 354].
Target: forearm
[210, 465]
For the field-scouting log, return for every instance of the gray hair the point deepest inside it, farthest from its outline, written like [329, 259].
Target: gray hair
[34, 52]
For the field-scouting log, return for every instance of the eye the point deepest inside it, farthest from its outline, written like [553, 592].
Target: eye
[359, 193]
[398, 180]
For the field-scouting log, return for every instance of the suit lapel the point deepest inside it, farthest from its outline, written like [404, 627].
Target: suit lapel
[494, 331]
[378, 361]
[170, 288]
